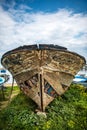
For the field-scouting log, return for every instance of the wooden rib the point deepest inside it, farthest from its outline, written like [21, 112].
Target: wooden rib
[53, 80]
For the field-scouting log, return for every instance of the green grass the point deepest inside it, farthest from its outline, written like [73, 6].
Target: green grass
[68, 112]
[7, 92]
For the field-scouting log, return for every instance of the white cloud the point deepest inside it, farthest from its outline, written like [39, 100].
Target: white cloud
[24, 7]
[65, 28]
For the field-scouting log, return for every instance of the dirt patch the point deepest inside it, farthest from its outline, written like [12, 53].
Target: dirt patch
[4, 102]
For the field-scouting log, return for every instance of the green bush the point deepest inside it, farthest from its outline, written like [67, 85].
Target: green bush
[68, 112]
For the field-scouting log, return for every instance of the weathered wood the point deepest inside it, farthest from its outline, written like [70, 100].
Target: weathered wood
[43, 72]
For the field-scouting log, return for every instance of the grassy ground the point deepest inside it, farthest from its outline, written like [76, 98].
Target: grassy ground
[4, 100]
[68, 112]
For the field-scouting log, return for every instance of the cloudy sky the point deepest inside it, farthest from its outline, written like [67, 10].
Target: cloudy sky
[61, 22]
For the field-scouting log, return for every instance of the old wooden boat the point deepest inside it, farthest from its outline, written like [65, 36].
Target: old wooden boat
[43, 72]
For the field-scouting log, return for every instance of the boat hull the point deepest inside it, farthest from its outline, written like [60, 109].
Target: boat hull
[43, 73]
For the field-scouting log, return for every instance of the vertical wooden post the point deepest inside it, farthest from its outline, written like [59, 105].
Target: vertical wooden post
[41, 93]
[2, 88]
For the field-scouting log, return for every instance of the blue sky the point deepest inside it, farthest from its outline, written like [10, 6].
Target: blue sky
[49, 5]
[62, 22]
